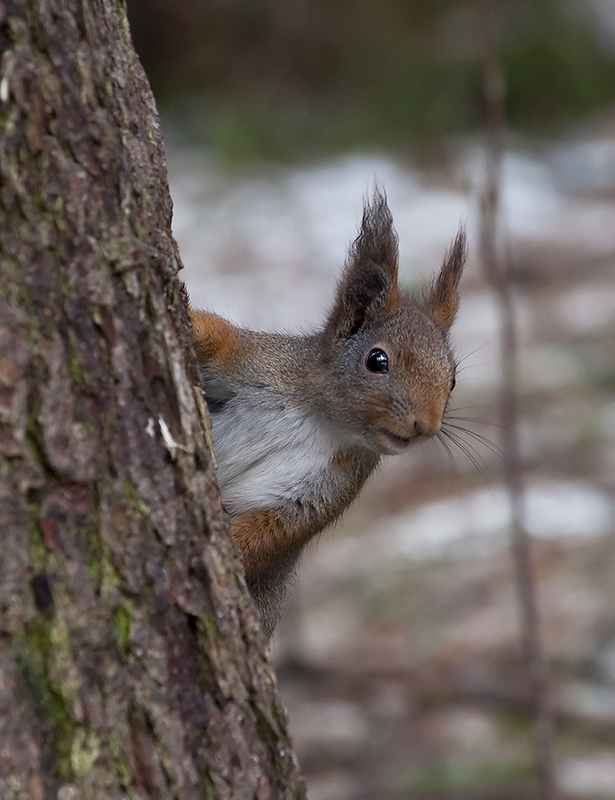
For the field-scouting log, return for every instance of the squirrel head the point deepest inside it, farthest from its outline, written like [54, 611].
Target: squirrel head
[385, 362]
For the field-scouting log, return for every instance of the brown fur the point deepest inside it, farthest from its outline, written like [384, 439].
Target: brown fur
[268, 536]
[214, 338]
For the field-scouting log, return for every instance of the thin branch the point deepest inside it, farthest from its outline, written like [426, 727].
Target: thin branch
[497, 270]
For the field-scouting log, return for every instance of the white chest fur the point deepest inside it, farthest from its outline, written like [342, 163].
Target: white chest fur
[267, 452]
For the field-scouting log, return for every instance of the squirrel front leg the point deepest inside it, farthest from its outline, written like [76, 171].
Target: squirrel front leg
[269, 536]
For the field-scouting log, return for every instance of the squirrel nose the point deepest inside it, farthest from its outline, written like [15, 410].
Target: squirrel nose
[427, 427]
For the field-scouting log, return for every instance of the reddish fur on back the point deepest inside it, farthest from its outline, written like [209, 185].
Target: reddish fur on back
[215, 339]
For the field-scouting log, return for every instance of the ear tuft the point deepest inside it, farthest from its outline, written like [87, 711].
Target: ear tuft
[377, 240]
[368, 288]
[442, 298]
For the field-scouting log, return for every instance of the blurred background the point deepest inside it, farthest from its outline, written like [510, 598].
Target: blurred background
[400, 657]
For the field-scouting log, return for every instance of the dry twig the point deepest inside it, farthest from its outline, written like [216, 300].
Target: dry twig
[497, 270]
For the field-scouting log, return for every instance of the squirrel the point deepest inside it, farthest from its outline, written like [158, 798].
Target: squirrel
[300, 422]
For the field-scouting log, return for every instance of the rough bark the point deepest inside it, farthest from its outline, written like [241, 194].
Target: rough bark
[131, 661]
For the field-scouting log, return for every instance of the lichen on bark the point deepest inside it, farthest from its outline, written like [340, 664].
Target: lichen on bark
[131, 660]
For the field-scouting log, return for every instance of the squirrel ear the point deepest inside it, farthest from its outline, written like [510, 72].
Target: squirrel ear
[368, 287]
[442, 298]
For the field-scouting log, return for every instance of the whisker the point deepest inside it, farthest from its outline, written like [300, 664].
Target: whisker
[451, 459]
[469, 454]
[468, 445]
[469, 408]
[476, 349]
[471, 366]
[476, 420]
[491, 446]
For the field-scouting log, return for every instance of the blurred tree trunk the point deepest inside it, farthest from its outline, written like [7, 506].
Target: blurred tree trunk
[131, 662]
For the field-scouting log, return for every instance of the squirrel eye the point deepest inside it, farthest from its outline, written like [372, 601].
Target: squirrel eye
[377, 361]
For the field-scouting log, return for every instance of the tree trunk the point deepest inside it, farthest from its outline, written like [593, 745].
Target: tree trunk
[131, 660]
